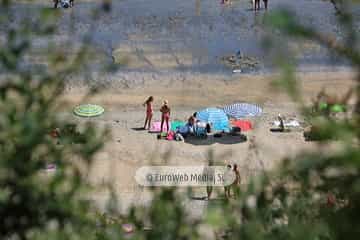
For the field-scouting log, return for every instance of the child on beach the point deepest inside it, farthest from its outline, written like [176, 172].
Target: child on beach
[149, 111]
[165, 115]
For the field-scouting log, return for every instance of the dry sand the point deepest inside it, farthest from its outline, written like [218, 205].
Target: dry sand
[164, 44]
[128, 149]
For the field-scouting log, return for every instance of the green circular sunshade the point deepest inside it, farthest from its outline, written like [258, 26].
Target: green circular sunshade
[88, 110]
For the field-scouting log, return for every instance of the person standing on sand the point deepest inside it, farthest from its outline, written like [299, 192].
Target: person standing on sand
[256, 4]
[237, 181]
[149, 111]
[227, 175]
[210, 172]
[266, 4]
[165, 115]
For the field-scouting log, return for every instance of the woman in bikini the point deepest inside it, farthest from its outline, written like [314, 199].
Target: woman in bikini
[165, 115]
[149, 111]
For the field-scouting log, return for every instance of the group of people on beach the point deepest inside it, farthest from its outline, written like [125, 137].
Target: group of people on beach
[191, 127]
[165, 113]
[233, 172]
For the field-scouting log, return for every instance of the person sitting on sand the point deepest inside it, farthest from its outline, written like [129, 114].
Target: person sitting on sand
[149, 111]
[191, 124]
[195, 116]
[200, 124]
[281, 125]
[165, 115]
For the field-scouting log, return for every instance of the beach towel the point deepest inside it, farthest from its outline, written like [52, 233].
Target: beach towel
[292, 123]
[184, 129]
[175, 125]
[155, 127]
[244, 125]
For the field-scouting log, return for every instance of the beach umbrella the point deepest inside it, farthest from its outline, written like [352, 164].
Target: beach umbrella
[216, 117]
[242, 110]
[88, 110]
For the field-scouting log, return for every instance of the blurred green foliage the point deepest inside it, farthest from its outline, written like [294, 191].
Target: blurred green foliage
[34, 205]
[316, 196]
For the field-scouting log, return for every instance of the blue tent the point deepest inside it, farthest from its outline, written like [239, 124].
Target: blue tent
[216, 117]
[242, 110]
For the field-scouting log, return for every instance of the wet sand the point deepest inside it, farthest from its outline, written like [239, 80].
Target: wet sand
[185, 36]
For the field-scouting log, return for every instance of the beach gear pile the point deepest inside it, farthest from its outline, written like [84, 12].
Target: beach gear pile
[222, 120]
[239, 62]
[217, 118]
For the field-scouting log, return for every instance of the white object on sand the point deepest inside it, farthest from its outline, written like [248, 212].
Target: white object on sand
[292, 123]
[237, 71]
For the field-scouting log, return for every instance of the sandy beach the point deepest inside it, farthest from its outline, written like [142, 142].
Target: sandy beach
[170, 50]
[129, 148]
[179, 119]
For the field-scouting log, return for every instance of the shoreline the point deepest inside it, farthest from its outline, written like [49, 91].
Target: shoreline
[207, 90]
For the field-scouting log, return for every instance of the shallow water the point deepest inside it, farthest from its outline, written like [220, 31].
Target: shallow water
[192, 34]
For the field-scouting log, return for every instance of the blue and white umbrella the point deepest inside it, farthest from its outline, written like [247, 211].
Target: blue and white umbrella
[216, 117]
[242, 110]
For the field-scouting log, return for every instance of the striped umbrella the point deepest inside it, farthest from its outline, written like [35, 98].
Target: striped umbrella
[242, 110]
[216, 117]
[88, 110]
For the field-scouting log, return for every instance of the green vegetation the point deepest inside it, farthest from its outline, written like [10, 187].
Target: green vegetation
[316, 196]
[32, 204]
